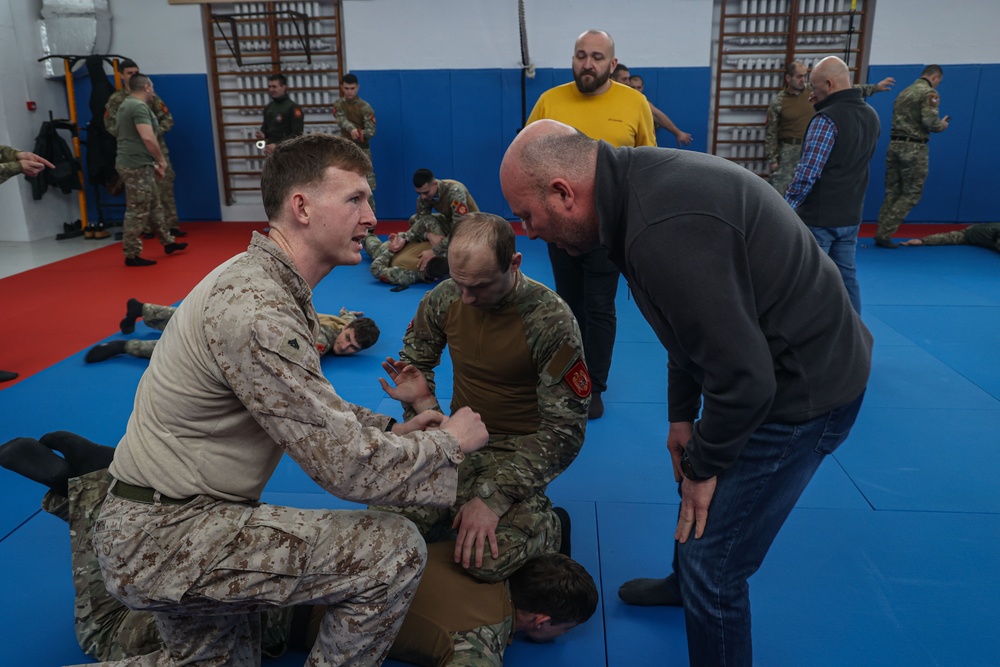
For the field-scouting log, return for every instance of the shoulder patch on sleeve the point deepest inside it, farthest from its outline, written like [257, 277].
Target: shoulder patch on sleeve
[459, 207]
[298, 112]
[578, 379]
[934, 99]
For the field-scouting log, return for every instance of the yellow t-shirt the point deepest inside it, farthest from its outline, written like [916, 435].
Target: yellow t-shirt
[620, 116]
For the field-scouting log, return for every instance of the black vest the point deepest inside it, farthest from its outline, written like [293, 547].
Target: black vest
[838, 195]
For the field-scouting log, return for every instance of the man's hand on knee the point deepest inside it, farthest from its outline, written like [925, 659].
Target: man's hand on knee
[476, 524]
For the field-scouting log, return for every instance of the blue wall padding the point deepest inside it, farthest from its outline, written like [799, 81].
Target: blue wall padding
[192, 148]
[459, 122]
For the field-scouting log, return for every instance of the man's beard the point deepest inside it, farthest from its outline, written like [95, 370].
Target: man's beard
[599, 80]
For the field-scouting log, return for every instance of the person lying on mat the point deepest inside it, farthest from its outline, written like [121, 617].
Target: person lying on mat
[453, 620]
[984, 235]
[235, 385]
[518, 360]
[342, 335]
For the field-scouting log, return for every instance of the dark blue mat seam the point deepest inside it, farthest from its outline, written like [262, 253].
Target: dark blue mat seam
[15, 528]
[600, 584]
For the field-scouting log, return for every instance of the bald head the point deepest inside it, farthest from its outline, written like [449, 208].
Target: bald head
[829, 76]
[547, 177]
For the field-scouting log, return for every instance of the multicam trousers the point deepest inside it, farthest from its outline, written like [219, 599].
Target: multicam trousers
[906, 167]
[142, 201]
[782, 177]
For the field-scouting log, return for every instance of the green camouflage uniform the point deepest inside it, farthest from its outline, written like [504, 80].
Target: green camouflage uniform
[135, 165]
[352, 115]
[914, 117]
[165, 186]
[520, 365]
[156, 317]
[9, 166]
[382, 266]
[985, 235]
[787, 151]
[454, 202]
[282, 120]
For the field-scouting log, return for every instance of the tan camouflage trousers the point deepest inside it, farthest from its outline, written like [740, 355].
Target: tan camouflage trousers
[527, 530]
[482, 646]
[906, 167]
[782, 177]
[105, 628]
[142, 208]
[207, 567]
[165, 187]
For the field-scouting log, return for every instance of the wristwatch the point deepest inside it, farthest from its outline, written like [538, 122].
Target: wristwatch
[689, 470]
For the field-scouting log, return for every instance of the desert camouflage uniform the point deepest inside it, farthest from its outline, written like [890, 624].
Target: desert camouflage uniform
[984, 235]
[787, 151]
[354, 114]
[9, 166]
[156, 317]
[453, 204]
[233, 377]
[914, 117]
[520, 365]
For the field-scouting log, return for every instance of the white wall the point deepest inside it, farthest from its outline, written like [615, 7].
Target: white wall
[914, 32]
[472, 34]
[161, 38]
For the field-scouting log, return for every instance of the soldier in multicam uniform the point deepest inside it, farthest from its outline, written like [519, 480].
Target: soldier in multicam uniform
[356, 120]
[140, 163]
[914, 117]
[518, 360]
[397, 261]
[282, 116]
[454, 619]
[165, 121]
[235, 386]
[341, 335]
[984, 235]
[442, 202]
[788, 115]
[12, 163]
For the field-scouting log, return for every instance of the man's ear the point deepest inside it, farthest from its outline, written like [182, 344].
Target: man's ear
[563, 189]
[299, 204]
[538, 621]
[515, 261]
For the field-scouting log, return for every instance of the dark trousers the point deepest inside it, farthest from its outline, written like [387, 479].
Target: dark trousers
[589, 283]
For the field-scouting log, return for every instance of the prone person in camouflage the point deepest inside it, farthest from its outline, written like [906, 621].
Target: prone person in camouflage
[788, 115]
[235, 386]
[341, 335]
[518, 360]
[165, 121]
[141, 163]
[454, 619]
[12, 163]
[282, 116]
[914, 116]
[356, 120]
[397, 260]
[984, 235]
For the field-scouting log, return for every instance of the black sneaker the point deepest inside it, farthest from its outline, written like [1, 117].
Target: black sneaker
[177, 232]
[174, 247]
[139, 261]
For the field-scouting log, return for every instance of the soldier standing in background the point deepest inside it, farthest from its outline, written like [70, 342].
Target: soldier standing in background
[282, 116]
[914, 117]
[140, 163]
[165, 121]
[788, 115]
[356, 119]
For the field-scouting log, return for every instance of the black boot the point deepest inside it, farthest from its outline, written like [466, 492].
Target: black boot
[174, 247]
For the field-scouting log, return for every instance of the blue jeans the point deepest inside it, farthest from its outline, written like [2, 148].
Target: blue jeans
[752, 500]
[841, 244]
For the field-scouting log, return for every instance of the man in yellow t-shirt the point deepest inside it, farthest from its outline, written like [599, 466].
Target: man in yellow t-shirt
[607, 110]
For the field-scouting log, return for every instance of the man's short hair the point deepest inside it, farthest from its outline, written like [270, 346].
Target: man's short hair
[487, 230]
[422, 177]
[790, 67]
[350, 78]
[280, 78]
[126, 63]
[137, 82]
[554, 585]
[932, 70]
[365, 331]
[303, 160]
[636, 77]
[619, 68]
[437, 268]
